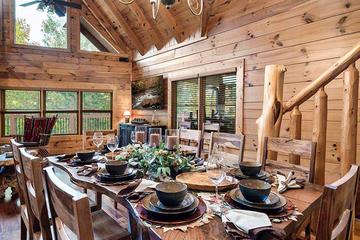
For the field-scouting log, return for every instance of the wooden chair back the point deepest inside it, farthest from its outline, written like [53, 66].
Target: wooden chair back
[33, 180]
[190, 140]
[69, 207]
[207, 129]
[88, 138]
[231, 146]
[303, 148]
[337, 207]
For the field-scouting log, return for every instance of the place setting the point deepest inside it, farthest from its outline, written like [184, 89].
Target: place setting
[171, 204]
[250, 170]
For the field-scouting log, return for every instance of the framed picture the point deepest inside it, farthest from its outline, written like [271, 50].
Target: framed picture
[148, 94]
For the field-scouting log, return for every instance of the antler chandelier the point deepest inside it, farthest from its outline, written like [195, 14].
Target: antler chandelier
[196, 6]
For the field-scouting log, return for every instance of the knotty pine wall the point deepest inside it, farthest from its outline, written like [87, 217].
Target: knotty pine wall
[40, 68]
[307, 36]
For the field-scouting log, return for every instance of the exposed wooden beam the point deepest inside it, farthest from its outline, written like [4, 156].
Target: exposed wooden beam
[105, 22]
[205, 19]
[148, 25]
[170, 20]
[90, 21]
[115, 10]
[74, 27]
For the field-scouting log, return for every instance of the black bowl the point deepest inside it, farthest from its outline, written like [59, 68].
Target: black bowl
[116, 167]
[171, 193]
[85, 156]
[255, 190]
[250, 168]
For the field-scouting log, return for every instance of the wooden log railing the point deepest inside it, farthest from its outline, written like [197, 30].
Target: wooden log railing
[274, 108]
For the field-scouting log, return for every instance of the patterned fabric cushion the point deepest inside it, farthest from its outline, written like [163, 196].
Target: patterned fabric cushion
[33, 127]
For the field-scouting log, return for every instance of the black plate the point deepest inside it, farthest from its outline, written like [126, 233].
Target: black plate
[78, 162]
[273, 205]
[154, 210]
[130, 173]
[188, 200]
[238, 174]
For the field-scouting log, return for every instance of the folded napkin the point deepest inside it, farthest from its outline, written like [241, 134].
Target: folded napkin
[288, 182]
[88, 170]
[246, 220]
[145, 183]
[268, 233]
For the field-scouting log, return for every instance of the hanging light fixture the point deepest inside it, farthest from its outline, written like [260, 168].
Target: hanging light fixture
[196, 6]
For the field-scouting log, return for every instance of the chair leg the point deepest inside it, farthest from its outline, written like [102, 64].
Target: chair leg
[115, 204]
[24, 230]
[98, 197]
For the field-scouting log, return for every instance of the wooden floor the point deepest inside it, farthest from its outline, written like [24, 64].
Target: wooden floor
[10, 216]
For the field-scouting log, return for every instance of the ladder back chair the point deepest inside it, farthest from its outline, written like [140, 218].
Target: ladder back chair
[72, 216]
[337, 207]
[190, 141]
[231, 146]
[27, 217]
[206, 131]
[88, 138]
[33, 181]
[303, 148]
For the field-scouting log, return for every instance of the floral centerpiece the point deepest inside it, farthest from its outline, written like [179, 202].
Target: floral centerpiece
[156, 162]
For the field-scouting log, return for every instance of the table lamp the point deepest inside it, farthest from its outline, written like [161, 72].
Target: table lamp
[127, 115]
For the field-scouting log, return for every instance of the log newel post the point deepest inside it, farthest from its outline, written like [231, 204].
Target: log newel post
[319, 134]
[270, 120]
[349, 119]
[295, 132]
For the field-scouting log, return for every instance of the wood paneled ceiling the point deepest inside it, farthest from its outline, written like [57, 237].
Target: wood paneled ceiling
[131, 27]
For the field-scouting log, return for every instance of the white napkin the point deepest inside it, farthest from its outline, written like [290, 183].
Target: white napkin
[285, 183]
[247, 220]
[145, 183]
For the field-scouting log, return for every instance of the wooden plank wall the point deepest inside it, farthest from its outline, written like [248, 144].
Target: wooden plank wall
[26, 67]
[307, 36]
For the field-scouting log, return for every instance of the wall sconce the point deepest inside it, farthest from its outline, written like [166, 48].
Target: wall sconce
[127, 115]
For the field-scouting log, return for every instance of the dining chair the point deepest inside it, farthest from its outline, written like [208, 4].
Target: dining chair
[337, 207]
[206, 131]
[303, 148]
[32, 169]
[72, 216]
[190, 141]
[231, 146]
[27, 219]
[88, 138]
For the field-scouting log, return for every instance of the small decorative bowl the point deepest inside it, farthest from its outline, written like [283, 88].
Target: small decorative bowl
[116, 167]
[171, 193]
[250, 168]
[255, 190]
[85, 156]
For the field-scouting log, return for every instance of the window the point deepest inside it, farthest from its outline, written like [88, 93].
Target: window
[220, 101]
[17, 104]
[39, 27]
[65, 106]
[86, 44]
[187, 102]
[96, 111]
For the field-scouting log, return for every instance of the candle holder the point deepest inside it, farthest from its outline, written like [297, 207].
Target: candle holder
[140, 134]
[171, 139]
[154, 137]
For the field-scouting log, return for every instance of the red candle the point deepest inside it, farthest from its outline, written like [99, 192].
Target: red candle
[140, 137]
[171, 142]
[154, 140]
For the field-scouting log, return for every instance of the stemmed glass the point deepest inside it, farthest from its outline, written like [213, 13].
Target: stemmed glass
[112, 144]
[215, 171]
[98, 140]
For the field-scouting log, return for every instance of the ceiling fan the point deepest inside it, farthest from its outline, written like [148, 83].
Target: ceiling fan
[58, 6]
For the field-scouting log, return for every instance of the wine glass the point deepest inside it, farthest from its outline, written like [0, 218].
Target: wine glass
[215, 171]
[132, 137]
[112, 144]
[98, 140]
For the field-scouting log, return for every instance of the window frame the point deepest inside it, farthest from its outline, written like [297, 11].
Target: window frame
[42, 112]
[13, 33]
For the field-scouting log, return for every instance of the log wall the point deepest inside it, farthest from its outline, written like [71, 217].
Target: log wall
[307, 36]
[41, 68]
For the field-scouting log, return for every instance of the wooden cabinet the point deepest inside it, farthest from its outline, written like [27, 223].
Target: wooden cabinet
[125, 130]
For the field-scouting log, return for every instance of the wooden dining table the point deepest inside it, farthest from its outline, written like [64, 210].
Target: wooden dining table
[307, 200]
